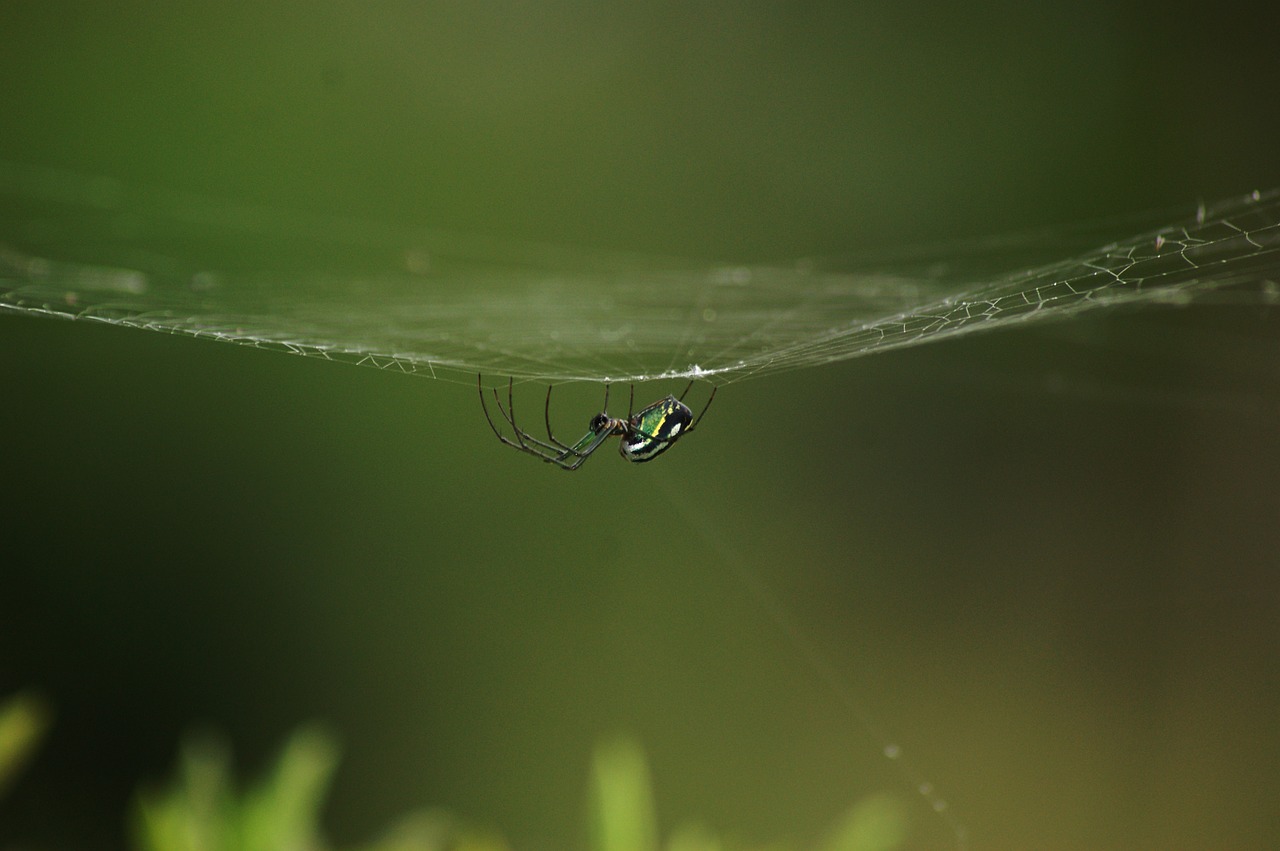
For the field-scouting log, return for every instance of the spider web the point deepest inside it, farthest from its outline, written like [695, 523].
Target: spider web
[449, 305]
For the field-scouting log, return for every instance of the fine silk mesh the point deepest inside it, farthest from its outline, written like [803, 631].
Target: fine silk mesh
[451, 306]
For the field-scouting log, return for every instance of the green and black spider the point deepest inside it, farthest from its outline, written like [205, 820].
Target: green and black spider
[645, 434]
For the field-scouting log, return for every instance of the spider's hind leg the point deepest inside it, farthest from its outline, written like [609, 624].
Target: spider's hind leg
[705, 407]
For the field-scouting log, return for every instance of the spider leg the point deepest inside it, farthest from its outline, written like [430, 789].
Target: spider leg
[582, 452]
[705, 407]
[509, 414]
[590, 441]
[484, 407]
[511, 405]
[498, 403]
[505, 416]
[546, 414]
[546, 451]
[523, 440]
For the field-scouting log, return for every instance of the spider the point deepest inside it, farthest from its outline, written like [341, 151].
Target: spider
[645, 435]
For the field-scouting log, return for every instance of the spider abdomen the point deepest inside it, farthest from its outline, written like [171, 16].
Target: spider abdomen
[652, 431]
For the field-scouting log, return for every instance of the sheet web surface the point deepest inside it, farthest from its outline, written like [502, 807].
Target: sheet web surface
[450, 306]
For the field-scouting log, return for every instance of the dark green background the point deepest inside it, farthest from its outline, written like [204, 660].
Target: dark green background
[1045, 561]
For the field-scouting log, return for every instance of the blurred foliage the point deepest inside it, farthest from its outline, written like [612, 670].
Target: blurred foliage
[622, 814]
[202, 811]
[23, 720]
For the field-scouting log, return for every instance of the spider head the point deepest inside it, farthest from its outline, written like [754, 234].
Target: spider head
[601, 422]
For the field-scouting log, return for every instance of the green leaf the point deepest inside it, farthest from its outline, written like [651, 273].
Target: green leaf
[201, 811]
[283, 813]
[197, 813]
[622, 816]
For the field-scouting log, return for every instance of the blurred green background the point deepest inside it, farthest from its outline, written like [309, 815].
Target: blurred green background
[1045, 561]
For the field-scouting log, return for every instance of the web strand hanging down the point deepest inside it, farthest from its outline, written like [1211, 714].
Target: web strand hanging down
[450, 306]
